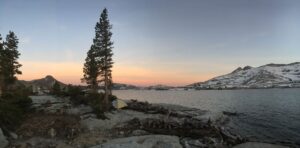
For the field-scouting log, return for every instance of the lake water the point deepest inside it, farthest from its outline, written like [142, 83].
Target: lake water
[266, 114]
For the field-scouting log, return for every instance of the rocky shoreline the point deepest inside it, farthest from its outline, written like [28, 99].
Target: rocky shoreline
[58, 124]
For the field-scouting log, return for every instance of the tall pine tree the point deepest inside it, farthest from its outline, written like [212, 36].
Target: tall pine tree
[12, 67]
[9, 60]
[1, 59]
[98, 65]
[103, 28]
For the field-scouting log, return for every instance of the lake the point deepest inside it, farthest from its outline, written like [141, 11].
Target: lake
[265, 114]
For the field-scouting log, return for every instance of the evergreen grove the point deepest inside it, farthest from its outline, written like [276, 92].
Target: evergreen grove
[14, 100]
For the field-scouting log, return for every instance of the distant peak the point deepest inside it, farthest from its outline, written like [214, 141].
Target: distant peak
[240, 69]
[237, 70]
[247, 67]
[50, 78]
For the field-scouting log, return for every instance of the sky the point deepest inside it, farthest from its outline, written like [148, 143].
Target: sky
[171, 42]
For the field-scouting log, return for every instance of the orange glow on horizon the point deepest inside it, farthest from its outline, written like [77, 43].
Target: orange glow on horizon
[71, 73]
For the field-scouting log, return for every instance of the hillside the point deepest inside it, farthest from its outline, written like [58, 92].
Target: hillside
[159, 87]
[48, 81]
[45, 83]
[266, 76]
[121, 86]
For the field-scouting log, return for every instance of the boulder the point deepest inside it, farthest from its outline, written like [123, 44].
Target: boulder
[258, 145]
[3, 140]
[13, 135]
[192, 143]
[52, 132]
[157, 141]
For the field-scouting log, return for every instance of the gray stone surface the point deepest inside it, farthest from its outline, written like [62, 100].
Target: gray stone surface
[149, 141]
[258, 145]
[79, 110]
[3, 140]
[50, 104]
[139, 133]
[116, 118]
[13, 135]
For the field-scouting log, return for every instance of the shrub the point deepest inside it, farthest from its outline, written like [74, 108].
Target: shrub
[95, 100]
[10, 115]
[18, 98]
[14, 104]
[112, 98]
[76, 95]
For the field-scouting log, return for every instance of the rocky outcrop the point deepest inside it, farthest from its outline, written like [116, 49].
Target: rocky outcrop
[141, 124]
[154, 141]
[3, 140]
[168, 110]
[209, 134]
[258, 145]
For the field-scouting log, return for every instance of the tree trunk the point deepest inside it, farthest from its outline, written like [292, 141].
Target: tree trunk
[110, 87]
[95, 85]
[106, 83]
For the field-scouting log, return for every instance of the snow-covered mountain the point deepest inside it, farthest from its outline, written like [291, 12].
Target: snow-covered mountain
[267, 76]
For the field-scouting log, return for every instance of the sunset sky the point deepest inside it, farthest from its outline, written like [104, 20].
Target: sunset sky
[172, 42]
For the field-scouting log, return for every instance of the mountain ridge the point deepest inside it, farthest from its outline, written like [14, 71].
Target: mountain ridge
[48, 81]
[265, 76]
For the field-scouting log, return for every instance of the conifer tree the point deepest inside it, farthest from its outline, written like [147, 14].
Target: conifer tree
[104, 44]
[9, 56]
[1, 71]
[91, 69]
[98, 65]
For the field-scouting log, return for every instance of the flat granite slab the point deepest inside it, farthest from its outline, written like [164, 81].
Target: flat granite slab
[149, 141]
[258, 145]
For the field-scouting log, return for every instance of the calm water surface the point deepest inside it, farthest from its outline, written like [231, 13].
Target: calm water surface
[266, 114]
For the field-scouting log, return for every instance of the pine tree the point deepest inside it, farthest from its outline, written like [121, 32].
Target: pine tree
[98, 64]
[1, 71]
[9, 64]
[104, 44]
[91, 69]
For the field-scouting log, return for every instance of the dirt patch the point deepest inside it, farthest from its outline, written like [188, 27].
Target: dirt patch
[89, 139]
[50, 125]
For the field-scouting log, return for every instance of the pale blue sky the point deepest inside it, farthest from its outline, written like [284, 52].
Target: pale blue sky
[198, 39]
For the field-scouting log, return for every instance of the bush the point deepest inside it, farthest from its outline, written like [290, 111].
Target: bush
[13, 106]
[95, 100]
[10, 115]
[19, 98]
[76, 95]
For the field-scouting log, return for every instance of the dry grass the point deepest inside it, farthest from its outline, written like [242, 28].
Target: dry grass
[65, 126]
